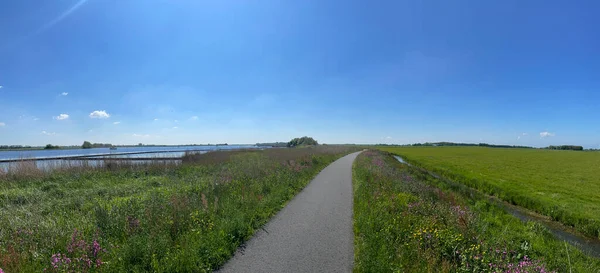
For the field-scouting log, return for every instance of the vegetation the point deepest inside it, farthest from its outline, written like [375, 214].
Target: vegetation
[273, 144]
[16, 147]
[51, 147]
[407, 221]
[89, 145]
[157, 218]
[303, 141]
[437, 144]
[564, 185]
[566, 147]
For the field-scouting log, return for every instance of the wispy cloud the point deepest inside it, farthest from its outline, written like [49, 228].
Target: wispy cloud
[64, 93]
[546, 134]
[140, 135]
[116, 122]
[175, 127]
[194, 118]
[388, 137]
[61, 17]
[522, 135]
[1, 86]
[155, 119]
[176, 121]
[34, 118]
[2, 124]
[48, 134]
[101, 114]
[61, 117]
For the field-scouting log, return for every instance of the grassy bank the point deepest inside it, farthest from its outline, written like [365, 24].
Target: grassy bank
[159, 218]
[564, 185]
[408, 221]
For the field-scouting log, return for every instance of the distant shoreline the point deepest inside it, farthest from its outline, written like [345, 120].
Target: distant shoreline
[37, 148]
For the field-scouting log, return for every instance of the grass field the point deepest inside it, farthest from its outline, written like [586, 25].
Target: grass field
[408, 221]
[158, 218]
[564, 185]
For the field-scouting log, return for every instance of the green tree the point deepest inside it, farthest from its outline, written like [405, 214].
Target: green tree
[303, 141]
[50, 146]
[86, 145]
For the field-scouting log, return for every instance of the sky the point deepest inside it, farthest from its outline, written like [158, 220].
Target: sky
[193, 71]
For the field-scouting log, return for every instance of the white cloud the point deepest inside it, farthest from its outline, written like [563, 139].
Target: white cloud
[48, 134]
[116, 122]
[1, 86]
[36, 118]
[522, 135]
[546, 134]
[176, 121]
[139, 135]
[99, 114]
[155, 119]
[194, 118]
[64, 93]
[61, 117]
[175, 127]
[388, 137]
[2, 124]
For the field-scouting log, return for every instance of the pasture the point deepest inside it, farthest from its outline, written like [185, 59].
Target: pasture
[564, 185]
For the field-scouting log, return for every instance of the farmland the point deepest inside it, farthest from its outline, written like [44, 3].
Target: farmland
[406, 220]
[564, 185]
[150, 218]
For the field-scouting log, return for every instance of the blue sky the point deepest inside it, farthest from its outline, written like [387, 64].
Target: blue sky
[191, 71]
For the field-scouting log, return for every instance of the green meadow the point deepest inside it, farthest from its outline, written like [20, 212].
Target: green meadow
[406, 220]
[564, 185]
[151, 218]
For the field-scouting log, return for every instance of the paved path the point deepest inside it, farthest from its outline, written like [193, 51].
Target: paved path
[313, 233]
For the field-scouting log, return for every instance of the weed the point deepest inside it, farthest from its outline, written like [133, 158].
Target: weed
[405, 221]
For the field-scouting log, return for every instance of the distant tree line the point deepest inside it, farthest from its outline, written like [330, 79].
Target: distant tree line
[436, 144]
[272, 144]
[303, 141]
[470, 144]
[51, 147]
[89, 145]
[14, 147]
[566, 147]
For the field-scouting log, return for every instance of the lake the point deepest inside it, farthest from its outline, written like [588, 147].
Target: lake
[28, 154]
[50, 159]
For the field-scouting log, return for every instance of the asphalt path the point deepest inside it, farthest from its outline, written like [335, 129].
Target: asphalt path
[313, 233]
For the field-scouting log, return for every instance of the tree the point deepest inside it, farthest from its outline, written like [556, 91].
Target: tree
[86, 145]
[50, 146]
[303, 141]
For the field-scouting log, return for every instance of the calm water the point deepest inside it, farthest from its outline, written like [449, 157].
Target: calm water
[5, 155]
[128, 153]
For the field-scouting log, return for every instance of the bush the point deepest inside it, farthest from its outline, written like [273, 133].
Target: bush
[303, 141]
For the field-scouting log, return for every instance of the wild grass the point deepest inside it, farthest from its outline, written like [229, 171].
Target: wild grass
[157, 218]
[408, 221]
[564, 185]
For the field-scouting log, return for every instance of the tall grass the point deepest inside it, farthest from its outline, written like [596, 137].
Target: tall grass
[564, 185]
[185, 218]
[408, 221]
[31, 169]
